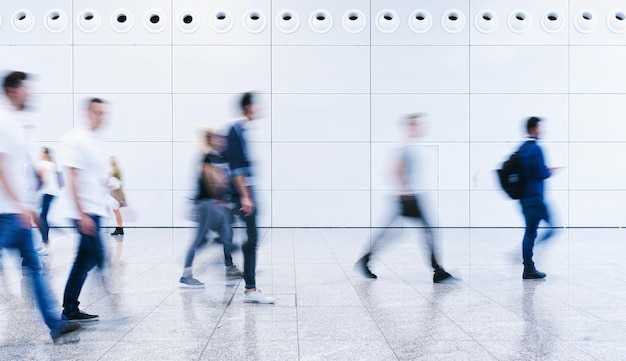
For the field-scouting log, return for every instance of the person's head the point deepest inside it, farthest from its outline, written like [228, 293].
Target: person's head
[533, 127]
[213, 140]
[246, 104]
[113, 162]
[15, 89]
[45, 154]
[413, 125]
[95, 113]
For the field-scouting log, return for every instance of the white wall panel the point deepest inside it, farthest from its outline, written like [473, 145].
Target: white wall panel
[597, 117]
[51, 76]
[321, 166]
[135, 30]
[147, 208]
[420, 69]
[187, 156]
[519, 69]
[404, 35]
[122, 69]
[597, 69]
[313, 208]
[597, 208]
[494, 209]
[320, 69]
[221, 69]
[447, 116]
[498, 117]
[52, 116]
[454, 208]
[594, 166]
[144, 165]
[201, 29]
[321, 117]
[454, 160]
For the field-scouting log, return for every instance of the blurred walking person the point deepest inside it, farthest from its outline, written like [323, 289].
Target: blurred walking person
[50, 187]
[409, 202]
[16, 212]
[118, 194]
[244, 197]
[86, 163]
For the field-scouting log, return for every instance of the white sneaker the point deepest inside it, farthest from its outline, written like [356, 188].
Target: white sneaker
[257, 297]
[43, 251]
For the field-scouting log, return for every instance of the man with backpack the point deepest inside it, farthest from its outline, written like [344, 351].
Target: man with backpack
[533, 172]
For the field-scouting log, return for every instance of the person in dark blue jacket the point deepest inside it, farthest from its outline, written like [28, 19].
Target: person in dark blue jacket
[533, 171]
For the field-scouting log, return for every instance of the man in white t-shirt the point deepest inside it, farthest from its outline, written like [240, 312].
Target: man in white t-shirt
[84, 158]
[16, 207]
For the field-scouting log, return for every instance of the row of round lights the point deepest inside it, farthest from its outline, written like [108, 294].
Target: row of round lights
[321, 21]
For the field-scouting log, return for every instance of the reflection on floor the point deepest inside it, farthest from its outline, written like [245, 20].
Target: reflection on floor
[326, 311]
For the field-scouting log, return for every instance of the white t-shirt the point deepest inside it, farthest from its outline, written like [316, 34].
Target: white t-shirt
[50, 181]
[84, 150]
[410, 156]
[17, 166]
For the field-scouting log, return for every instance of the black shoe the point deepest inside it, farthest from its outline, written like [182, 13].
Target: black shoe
[442, 276]
[361, 266]
[67, 327]
[119, 231]
[533, 274]
[79, 316]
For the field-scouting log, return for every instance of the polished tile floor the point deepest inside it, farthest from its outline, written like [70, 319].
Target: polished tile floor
[326, 311]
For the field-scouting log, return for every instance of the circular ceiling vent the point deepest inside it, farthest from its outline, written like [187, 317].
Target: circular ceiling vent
[55, 21]
[254, 21]
[354, 21]
[23, 21]
[188, 21]
[155, 21]
[586, 21]
[519, 21]
[387, 21]
[221, 21]
[420, 21]
[287, 21]
[552, 21]
[122, 21]
[617, 21]
[321, 21]
[453, 21]
[486, 21]
[89, 21]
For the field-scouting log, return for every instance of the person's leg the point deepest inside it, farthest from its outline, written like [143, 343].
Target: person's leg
[550, 231]
[223, 226]
[44, 228]
[88, 255]
[249, 250]
[532, 217]
[119, 229]
[202, 214]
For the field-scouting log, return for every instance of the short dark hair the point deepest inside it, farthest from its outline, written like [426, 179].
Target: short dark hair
[531, 123]
[94, 100]
[247, 99]
[406, 120]
[14, 79]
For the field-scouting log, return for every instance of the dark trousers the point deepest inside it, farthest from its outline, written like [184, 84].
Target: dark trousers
[44, 228]
[214, 217]
[89, 255]
[249, 247]
[14, 235]
[534, 210]
[410, 208]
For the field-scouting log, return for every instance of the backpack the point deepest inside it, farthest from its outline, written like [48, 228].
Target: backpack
[510, 175]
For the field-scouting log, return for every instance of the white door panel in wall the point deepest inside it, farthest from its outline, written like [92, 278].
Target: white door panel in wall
[51, 115]
[597, 208]
[321, 117]
[595, 166]
[122, 69]
[321, 208]
[519, 69]
[321, 166]
[51, 76]
[221, 69]
[502, 117]
[136, 117]
[597, 69]
[420, 69]
[320, 69]
[597, 117]
[446, 116]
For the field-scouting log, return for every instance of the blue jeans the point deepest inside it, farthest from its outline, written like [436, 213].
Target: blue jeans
[14, 235]
[44, 228]
[89, 255]
[214, 217]
[534, 211]
[249, 247]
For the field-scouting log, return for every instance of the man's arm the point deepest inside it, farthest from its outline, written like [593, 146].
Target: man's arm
[86, 225]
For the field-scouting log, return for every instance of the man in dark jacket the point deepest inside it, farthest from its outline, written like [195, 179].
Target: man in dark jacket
[533, 173]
